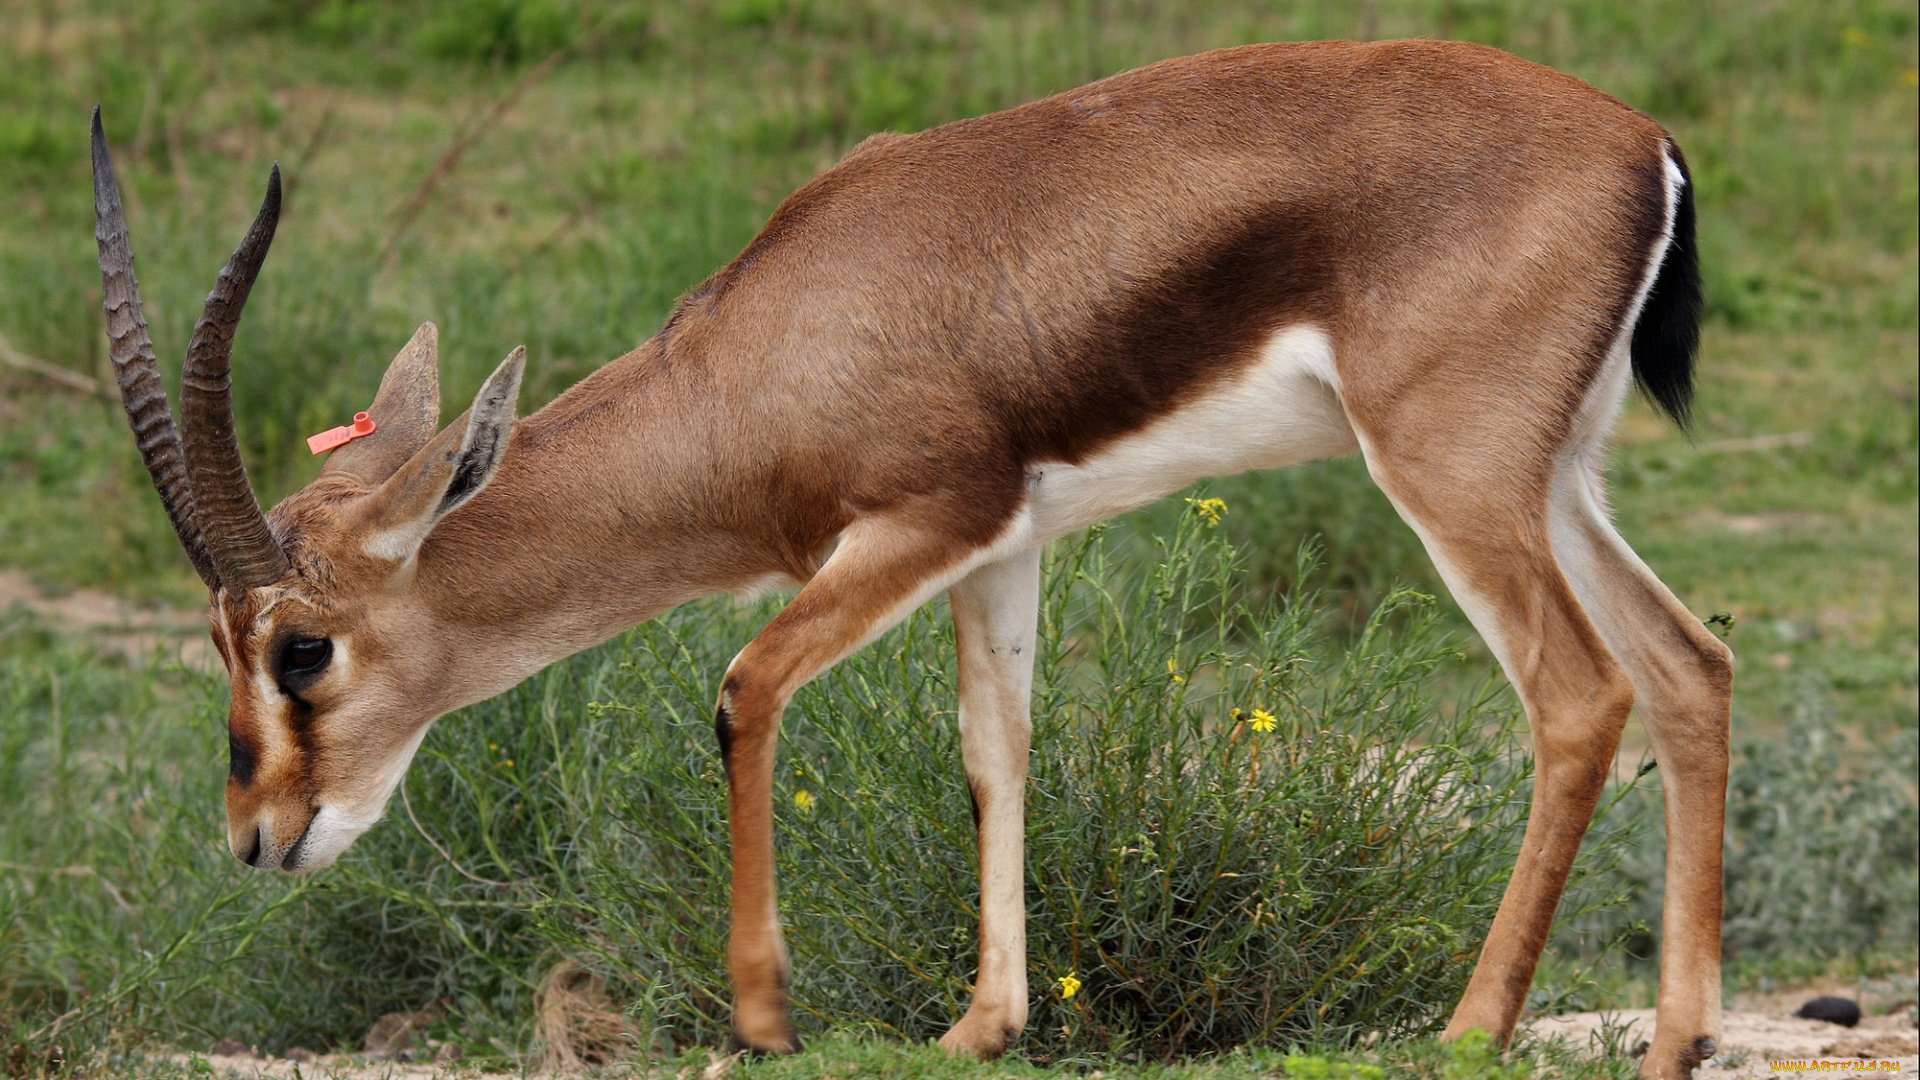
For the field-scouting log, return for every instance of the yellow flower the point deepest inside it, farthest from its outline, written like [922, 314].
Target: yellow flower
[1210, 509]
[804, 800]
[1855, 37]
[1069, 985]
[1262, 720]
[1174, 671]
[1911, 76]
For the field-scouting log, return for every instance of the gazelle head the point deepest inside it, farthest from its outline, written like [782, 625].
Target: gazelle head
[334, 664]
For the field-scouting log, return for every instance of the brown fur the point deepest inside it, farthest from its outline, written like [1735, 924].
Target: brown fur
[922, 325]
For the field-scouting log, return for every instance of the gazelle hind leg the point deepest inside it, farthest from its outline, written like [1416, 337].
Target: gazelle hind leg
[995, 609]
[1683, 681]
[1487, 533]
[881, 572]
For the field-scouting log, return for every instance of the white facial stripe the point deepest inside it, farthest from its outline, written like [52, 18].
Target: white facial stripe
[337, 825]
[273, 729]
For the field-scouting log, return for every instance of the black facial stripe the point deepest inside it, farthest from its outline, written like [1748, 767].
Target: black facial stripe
[240, 760]
[300, 719]
[723, 733]
[299, 713]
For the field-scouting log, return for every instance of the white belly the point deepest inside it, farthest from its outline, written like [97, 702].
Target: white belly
[1281, 410]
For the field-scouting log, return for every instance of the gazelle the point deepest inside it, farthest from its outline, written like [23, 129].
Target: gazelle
[957, 345]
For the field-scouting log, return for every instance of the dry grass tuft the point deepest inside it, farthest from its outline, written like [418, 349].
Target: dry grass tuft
[579, 1025]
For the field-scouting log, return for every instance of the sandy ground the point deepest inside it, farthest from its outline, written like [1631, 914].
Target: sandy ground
[116, 626]
[1754, 1042]
[358, 1067]
[1762, 1029]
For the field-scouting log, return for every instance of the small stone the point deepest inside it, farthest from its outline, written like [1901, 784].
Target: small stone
[1834, 1010]
[232, 1047]
[300, 1055]
[395, 1034]
[448, 1054]
[390, 1037]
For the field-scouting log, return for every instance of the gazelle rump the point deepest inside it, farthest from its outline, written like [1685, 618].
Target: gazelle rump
[956, 345]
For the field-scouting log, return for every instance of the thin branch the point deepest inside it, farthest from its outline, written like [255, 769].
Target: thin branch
[416, 202]
[315, 140]
[424, 835]
[72, 380]
[580, 210]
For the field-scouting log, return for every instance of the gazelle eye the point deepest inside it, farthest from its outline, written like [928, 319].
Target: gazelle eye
[303, 658]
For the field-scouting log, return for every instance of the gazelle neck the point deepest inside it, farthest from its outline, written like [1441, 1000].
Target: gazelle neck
[608, 509]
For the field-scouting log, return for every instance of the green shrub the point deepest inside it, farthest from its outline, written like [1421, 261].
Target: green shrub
[1822, 834]
[1206, 883]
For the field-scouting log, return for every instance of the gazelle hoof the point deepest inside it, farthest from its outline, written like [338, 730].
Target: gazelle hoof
[979, 1037]
[1669, 1062]
[770, 1044]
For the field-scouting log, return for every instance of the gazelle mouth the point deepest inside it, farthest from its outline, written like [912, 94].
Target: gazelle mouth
[297, 854]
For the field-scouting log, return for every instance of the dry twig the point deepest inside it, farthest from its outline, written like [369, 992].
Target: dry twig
[52, 372]
[416, 202]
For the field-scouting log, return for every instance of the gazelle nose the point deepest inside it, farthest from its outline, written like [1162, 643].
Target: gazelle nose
[252, 857]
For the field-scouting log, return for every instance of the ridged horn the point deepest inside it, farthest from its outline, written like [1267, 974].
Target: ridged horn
[235, 531]
[134, 367]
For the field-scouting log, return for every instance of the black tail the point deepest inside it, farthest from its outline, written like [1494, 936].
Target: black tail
[1668, 333]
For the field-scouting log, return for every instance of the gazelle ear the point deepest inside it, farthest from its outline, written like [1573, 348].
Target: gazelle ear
[452, 468]
[406, 413]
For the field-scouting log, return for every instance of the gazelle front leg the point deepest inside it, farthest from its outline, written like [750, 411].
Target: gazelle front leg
[881, 572]
[995, 609]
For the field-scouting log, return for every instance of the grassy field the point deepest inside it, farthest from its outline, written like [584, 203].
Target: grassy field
[556, 174]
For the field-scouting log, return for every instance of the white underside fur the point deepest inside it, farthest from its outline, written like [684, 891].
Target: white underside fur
[1281, 410]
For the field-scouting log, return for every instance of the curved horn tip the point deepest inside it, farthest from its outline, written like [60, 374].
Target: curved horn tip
[102, 163]
[270, 205]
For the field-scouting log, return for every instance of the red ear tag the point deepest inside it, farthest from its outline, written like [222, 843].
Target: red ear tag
[340, 436]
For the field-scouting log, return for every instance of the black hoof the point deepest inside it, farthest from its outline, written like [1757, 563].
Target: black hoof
[736, 1045]
[1698, 1053]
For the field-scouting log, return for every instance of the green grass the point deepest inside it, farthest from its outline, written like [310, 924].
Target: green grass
[648, 154]
[848, 1056]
